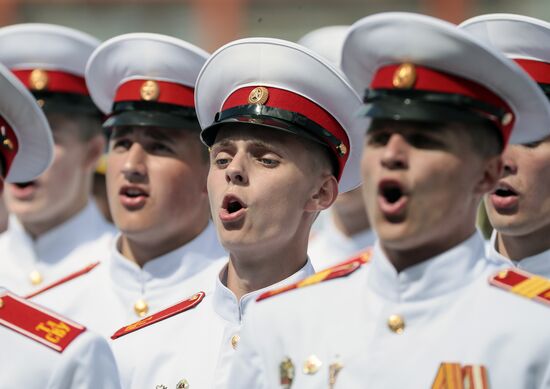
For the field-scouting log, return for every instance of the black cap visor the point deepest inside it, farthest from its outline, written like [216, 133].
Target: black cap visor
[271, 118]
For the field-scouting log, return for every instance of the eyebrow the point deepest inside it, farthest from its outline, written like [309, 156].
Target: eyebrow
[257, 143]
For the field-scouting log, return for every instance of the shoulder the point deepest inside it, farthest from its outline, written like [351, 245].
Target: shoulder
[38, 324]
[176, 309]
[339, 271]
[519, 283]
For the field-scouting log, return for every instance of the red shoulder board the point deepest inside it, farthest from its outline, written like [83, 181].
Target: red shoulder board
[67, 278]
[456, 376]
[341, 270]
[180, 307]
[37, 323]
[525, 284]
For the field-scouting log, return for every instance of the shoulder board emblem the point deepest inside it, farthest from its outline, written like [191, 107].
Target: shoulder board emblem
[37, 323]
[61, 281]
[456, 376]
[341, 270]
[522, 283]
[180, 307]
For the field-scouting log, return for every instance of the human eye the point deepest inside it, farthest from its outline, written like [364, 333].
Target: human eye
[424, 141]
[269, 162]
[379, 138]
[221, 160]
[120, 144]
[531, 145]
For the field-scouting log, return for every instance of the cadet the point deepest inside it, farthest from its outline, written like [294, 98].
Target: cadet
[40, 349]
[343, 230]
[55, 229]
[519, 207]
[428, 310]
[156, 184]
[280, 140]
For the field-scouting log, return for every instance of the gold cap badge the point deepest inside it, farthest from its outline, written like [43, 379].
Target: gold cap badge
[38, 79]
[150, 90]
[258, 95]
[404, 76]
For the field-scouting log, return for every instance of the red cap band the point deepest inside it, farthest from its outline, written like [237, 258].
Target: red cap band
[52, 81]
[156, 91]
[430, 80]
[9, 144]
[290, 101]
[539, 71]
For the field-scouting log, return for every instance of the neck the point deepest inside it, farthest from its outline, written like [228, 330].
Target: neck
[517, 248]
[350, 224]
[405, 258]
[248, 272]
[38, 228]
[140, 248]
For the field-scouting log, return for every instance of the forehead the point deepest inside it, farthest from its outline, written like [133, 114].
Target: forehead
[256, 133]
[152, 132]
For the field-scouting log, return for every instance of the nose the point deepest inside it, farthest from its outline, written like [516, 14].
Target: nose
[236, 172]
[509, 162]
[395, 154]
[135, 167]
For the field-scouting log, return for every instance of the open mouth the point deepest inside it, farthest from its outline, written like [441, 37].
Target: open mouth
[392, 199]
[133, 197]
[23, 185]
[232, 208]
[392, 192]
[132, 192]
[505, 192]
[232, 204]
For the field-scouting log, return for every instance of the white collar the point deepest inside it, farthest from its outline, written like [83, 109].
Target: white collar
[226, 304]
[444, 273]
[537, 264]
[168, 269]
[55, 244]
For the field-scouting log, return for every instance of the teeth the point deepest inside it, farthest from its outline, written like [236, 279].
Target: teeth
[133, 192]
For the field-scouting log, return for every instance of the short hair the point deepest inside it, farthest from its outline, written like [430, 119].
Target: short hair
[322, 158]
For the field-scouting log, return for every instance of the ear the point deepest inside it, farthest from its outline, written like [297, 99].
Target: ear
[491, 174]
[94, 150]
[323, 195]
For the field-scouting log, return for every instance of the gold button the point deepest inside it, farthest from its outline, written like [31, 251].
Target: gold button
[40, 103]
[342, 149]
[1, 303]
[404, 76]
[35, 277]
[312, 365]
[258, 95]
[502, 274]
[235, 341]
[396, 324]
[150, 90]
[183, 384]
[38, 79]
[141, 308]
[507, 118]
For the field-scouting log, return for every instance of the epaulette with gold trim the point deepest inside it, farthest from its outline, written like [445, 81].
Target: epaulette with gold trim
[522, 283]
[340, 270]
[180, 307]
[456, 376]
[37, 323]
[63, 280]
